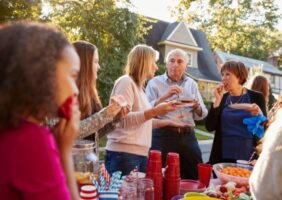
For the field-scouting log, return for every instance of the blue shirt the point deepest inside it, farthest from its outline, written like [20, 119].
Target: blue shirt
[237, 141]
[159, 85]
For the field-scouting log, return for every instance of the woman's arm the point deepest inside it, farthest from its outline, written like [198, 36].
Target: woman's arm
[94, 123]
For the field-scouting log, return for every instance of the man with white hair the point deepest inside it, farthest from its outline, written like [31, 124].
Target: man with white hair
[175, 85]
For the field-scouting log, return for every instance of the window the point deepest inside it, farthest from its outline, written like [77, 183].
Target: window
[189, 59]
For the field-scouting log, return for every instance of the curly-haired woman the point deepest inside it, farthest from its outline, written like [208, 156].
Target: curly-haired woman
[37, 75]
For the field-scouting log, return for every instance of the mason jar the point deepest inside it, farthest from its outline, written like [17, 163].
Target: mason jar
[86, 163]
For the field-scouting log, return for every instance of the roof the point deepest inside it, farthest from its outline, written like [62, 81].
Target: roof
[206, 62]
[196, 74]
[249, 62]
[207, 68]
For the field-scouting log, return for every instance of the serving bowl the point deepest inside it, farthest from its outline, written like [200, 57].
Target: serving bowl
[227, 178]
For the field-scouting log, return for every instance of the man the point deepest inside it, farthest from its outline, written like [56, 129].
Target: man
[175, 85]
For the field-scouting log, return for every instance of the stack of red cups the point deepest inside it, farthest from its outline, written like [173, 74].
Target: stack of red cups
[172, 176]
[154, 172]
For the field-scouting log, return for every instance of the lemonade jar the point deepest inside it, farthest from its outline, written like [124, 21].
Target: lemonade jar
[86, 163]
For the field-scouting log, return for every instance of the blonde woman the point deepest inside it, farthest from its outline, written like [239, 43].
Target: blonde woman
[128, 145]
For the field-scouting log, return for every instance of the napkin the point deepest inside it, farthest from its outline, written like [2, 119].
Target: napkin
[255, 124]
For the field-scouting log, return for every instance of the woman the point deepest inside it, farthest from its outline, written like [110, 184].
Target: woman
[232, 139]
[128, 145]
[266, 178]
[260, 83]
[94, 118]
[38, 71]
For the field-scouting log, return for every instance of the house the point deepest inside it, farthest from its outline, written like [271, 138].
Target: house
[274, 75]
[165, 36]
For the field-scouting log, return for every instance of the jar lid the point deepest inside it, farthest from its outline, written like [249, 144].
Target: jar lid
[83, 144]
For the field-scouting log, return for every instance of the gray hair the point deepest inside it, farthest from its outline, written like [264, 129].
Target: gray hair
[177, 51]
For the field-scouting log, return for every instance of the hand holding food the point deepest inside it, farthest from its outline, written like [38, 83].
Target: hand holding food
[117, 103]
[173, 90]
[218, 94]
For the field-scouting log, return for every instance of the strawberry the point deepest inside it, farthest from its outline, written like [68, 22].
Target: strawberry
[223, 189]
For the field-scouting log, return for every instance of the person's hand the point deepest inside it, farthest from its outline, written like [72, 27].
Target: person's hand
[177, 122]
[118, 105]
[66, 131]
[166, 107]
[254, 109]
[218, 94]
[173, 90]
[123, 112]
[197, 108]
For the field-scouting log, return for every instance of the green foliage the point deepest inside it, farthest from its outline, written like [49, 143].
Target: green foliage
[114, 30]
[19, 9]
[242, 27]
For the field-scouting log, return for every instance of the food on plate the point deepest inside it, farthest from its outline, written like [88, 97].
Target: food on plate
[236, 171]
[187, 101]
[229, 191]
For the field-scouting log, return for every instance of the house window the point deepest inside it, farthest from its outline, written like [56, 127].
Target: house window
[189, 59]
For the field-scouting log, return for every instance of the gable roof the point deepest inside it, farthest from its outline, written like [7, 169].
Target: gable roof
[180, 35]
[207, 68]
[249, 62]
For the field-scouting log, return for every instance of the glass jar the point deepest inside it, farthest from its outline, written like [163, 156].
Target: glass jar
[86, 163]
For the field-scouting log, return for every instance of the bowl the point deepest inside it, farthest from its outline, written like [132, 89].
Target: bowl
[187, 185]
[227, 178]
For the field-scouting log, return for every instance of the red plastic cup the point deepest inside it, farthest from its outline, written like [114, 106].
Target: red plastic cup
[172, 171]
[172, 158]
[204, 173]
[155, 155]
[171, 188]
[154, 165]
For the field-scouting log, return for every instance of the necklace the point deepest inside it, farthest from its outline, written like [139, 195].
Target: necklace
[241, 96]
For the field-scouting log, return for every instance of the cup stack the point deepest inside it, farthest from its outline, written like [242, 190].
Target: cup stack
[88, 192]
[172, 176]
[154, 172]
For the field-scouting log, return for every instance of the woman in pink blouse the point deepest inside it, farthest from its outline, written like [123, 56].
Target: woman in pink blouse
[37, 76]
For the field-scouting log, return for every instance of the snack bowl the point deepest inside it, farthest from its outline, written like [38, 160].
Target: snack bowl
[227, 178]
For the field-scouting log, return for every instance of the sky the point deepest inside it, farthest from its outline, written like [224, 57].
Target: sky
[159, 9]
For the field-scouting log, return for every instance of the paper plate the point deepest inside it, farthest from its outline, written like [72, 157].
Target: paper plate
[241, 106]
[187, 185]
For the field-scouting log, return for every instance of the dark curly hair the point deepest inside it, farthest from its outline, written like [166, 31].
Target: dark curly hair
[29, 54]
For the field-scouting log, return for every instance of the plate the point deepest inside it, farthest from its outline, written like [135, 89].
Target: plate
[187, 185]
[241, 106]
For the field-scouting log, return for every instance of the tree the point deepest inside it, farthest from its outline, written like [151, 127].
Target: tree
[19, 9]
[114, 30]
[242, 27]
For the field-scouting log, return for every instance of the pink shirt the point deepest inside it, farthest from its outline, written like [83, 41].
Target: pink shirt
[30, 166]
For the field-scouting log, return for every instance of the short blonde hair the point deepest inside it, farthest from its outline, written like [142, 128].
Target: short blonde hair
[139, 59]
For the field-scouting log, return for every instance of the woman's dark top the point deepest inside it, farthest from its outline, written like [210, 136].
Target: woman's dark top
[214, 122]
